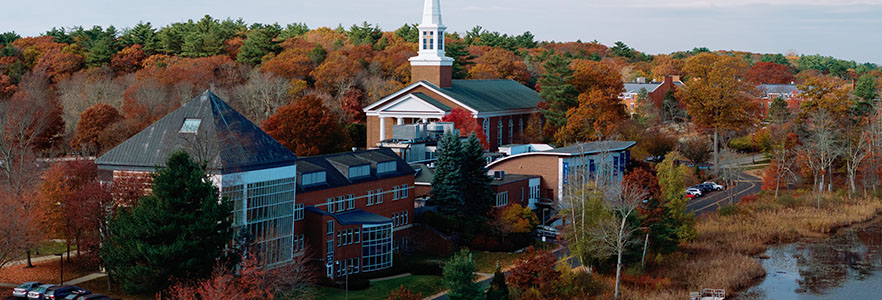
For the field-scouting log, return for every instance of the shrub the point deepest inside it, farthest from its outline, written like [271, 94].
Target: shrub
[743, 144]
[749, 198]
[728, 210]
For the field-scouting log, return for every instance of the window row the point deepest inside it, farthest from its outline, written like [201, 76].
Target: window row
[341, 203]
[346, 266]
[299, 242]
[374, 197]
[298, 212]
[348, 236]
[502, 198]
[399, 192]
[399, 218]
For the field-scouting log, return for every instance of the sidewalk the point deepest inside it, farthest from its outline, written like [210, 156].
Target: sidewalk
[37, 259]
[74, 281]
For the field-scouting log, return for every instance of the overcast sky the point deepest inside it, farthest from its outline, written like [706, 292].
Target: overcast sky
[847, 29]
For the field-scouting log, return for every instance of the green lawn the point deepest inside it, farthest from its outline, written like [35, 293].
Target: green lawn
[485, 262]
[427, 285]
[49, 247]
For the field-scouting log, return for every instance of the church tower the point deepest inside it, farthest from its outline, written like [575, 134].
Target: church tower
[431, 64]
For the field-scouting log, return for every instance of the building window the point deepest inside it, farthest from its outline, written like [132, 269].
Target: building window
[330, 227]
[341, 203]
[359, 171]
[534, 192]
[502, 199]
[440, 40]
[330, 205]
[376, 247]
[395, 192]
[404, 191]
[521, 121]
[370, 198]
[431, 43]
[394, 219]
[486, 126]
[190, 125]
[331, 246]
[351, 201]
[510, 130]
[405, 217]
[386, 167]
[379, 196]
[313, 178]
[357, 235]
[299, 243]
[269, 217]
[298, 212]
[339, 239]
[499, 132]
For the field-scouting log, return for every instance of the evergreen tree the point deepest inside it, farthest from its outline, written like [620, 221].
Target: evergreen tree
[458, 278]
[447, 182]
[478, 196]
[865, 88]
[178, 231]
[778, 111]
[409, 32]
[459, 51]
[7, 38]
[498, 288]
[258, 43]
[293, 30]
[557, 90]
[318, 54]
[142, 34]
[364, 34]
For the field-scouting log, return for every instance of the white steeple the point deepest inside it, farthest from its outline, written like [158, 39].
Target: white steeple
[431, 44]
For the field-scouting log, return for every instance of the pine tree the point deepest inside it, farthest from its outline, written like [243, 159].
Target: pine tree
[459, 51]
[557, 90]
[778, 111]
[447, 182]
[478, 195]
[258, 43]
[458, 278]
[498, 289]
[178, 231]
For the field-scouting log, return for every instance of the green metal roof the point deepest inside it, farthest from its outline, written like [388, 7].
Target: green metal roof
[492, 95]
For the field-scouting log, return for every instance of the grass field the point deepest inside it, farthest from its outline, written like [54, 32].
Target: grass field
[427, 285]
[485, 262]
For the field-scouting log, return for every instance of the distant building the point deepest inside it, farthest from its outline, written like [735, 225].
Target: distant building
[250, 168]
[655, 91]
[769, 92]
[354, 209]
[555, 167]
[503, 107]
[417, 142]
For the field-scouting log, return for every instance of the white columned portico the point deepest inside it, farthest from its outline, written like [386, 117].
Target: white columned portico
[399, 121]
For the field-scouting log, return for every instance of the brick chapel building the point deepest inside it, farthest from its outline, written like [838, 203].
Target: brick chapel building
[502, 106]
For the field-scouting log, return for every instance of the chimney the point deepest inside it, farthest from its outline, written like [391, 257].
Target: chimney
[673, 78]
[641, 79]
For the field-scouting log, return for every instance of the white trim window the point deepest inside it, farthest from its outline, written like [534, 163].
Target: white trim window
[386, 167]
[502, 199]
[396, 191]
[350, 201]
[486, 126]
[510, 130]
[298, 212]
[379, 196]
[370, 198]
[404, 191]
[313, 178]
[499, 132]
[359, 171]
[329, 204]
[330, 227]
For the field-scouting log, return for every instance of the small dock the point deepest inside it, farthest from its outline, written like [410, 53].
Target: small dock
[708, 294]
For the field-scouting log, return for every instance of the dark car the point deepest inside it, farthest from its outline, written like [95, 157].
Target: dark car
[37, 292]
[59, 292]
[22, 289]
[705, 188]
[93, 297]
[79, 292]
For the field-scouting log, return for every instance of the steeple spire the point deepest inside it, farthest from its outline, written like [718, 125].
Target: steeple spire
[432, 13]
[432, 64]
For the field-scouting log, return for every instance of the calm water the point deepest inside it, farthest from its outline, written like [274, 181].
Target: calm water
[847, 265]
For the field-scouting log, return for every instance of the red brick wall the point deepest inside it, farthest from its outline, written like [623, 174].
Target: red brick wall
[545, 166]
[518, 191]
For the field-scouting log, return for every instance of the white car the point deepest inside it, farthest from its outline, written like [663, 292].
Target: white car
[694, 191]
[716, 186]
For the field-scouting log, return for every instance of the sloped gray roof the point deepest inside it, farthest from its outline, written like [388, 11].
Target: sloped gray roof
[491, 95]
[635, 87]
[352, 217]
[593, 147]
[336, 167]
[778, 88]
[227, 140]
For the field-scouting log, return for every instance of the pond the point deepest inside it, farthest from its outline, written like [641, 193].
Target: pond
[846, 265]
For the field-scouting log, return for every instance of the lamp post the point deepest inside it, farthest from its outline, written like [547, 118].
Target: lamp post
[61, 260]
[346, 281]
[543, 215]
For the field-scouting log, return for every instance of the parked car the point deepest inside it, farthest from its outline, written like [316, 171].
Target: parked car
[546, 231]
[59, 292]
[714, 185]
[37, 293]
[690, 196]
[79, 292]
[703, 187]
[22, 289]
[93, 297]
[694, 191]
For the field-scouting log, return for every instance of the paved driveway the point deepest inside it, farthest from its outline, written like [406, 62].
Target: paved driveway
[714, 200]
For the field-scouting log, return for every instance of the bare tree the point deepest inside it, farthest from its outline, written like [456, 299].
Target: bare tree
[615, 234]
[261, 95]
[85, 89]
[696, 150]
[820, 147]
[857, 149]
[731, 173]
[782, 150]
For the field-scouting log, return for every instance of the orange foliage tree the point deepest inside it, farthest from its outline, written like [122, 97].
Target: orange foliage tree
[513, 218]
[769, 73]
[127, 60]
[466, 124]
[307, 127]
[20, 229]
[93, 122]
[498, 63]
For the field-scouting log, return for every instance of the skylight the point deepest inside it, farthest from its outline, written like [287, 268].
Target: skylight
[190, 125]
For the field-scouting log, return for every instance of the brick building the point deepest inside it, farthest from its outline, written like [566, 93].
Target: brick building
[503, 107]
[605, 160]
[354, 209]
[769, 92]
[655, 91]
[250, 168]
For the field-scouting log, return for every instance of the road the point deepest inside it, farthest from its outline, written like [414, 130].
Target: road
[712, 201]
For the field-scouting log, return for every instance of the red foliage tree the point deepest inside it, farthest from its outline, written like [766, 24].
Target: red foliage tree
[59, 64]
[466, 124]
[770, 73]
[127, 60]
[404, 294]
[19, 230]
[352, 105]
[535, 269]
[224, 284]
[290, 64]
[93, 122]
[7, 87]
[339, 70]
[34, 114]
[66, 202]
[307, 127]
